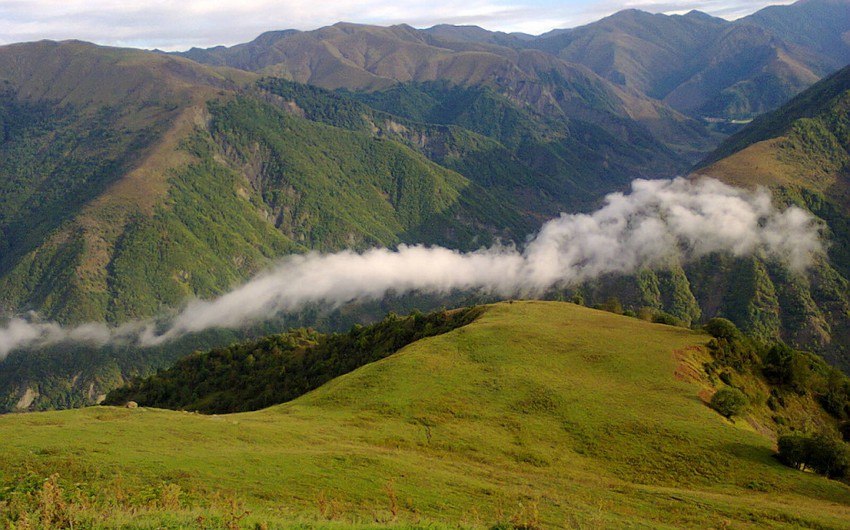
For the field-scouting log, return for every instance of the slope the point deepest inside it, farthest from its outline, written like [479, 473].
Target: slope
[795, 24]
[140, 179]
[367, 58]
[537, 414]
[800, 152]
[93, 137]
[156, 180]
[708, 67]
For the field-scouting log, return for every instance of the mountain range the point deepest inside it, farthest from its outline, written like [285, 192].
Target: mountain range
[699, 65]
[131, 181]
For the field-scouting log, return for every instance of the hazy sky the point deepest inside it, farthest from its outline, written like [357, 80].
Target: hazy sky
[181, 24]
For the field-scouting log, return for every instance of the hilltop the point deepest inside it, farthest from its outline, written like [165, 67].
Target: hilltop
[537, 414]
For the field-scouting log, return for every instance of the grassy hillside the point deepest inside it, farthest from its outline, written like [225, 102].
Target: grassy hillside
[536, 415]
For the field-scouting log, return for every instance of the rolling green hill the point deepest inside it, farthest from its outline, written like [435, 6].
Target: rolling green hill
[536, 415]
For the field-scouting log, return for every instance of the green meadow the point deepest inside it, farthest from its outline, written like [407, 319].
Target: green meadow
[536, 415]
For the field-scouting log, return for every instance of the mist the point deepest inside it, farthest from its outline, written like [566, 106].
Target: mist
[655, 221]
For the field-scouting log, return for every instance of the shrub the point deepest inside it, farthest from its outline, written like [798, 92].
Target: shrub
[612, 305]
[721, 328]
[729, 402]
[834, 397]
[844, 429]
[792, 450]
[666, 318]
[821, 453]
[787, 367]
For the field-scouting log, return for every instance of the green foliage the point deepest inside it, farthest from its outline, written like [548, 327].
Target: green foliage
[661, 317]
[612, 305]
[722, 328]
[787, 367]
[279, 368]
[844, 429]
[822, 453]
[739, 353]
[729, 402]
[329, 188]
[570, 160]
[784, 369]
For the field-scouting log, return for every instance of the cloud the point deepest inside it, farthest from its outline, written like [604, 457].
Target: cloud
[179, 25]
[657, 220]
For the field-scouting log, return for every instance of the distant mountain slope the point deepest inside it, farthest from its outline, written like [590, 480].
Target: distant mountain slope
[650, 53]
[801, 152]
[818, 25]
[745, 72]
[123, 193]
[91, 136]
[708, 67]
[702, 66]
[361, 57]
[536, 415]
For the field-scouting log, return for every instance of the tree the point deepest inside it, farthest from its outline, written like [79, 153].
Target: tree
[721, 328]
[729, 402]
[821, 453]
[785, 366]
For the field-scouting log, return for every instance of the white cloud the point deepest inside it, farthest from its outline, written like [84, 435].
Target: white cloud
[657, 220]
[180, 25]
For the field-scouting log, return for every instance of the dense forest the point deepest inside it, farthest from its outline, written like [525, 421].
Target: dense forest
[278, 368]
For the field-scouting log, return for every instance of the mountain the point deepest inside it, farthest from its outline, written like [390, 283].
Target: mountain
[800, 152]
[368, 58]
[708, 67]
[818, 25]
[132, 181]
[506, 421]
[110, 177]
[636, 49]
[701, 66]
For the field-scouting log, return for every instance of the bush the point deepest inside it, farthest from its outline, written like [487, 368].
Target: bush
[844, 429]
[729, 402]
[721, 328]
[821, 453]
[612, 305]
[666, 318]
[787, 367]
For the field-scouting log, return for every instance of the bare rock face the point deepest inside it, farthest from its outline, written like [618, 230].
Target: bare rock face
[27, 399]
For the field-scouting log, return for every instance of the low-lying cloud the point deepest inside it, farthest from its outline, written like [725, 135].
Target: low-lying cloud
[655, 221]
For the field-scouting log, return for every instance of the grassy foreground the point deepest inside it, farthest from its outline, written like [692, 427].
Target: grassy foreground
[537, 415]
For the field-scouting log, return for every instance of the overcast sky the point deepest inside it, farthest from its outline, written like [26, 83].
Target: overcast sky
[181, 24]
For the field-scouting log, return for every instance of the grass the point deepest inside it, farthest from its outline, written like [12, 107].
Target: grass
[539, 414]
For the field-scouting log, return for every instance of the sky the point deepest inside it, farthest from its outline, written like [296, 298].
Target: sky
[181, 24]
